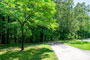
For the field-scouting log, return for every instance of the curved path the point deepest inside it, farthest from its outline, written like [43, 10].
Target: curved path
[65, 52]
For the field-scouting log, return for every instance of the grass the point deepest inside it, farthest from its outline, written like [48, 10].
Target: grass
[31, 52]
[85, 45]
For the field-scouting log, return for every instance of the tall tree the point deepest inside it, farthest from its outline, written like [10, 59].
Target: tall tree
[65, 16]
[30, 13]
[81, 14]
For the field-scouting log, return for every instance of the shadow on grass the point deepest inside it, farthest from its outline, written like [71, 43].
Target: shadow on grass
[31, 54]
[7, 46]
[4, 46]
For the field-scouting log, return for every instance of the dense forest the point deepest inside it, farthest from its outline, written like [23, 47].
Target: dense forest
[35, 21]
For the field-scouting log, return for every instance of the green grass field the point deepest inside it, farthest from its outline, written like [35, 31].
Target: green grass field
[85, 45]
[31, 52]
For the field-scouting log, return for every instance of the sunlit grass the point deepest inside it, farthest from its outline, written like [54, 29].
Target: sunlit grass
[31, 52]
[77, 43]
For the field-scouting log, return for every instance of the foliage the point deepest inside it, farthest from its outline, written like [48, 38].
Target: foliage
[73, 20]
[78, 44]
[81, 14]
[29, 14]
[68, 25]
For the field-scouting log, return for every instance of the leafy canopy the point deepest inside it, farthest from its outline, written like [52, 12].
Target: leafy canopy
[29, 13]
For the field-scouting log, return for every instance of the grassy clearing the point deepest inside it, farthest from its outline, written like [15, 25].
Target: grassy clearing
[32, 52]
[77, 43]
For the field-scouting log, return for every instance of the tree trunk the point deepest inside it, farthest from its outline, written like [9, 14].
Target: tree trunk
[0, 29]
[15, 39]
[8, 33]
[31, 39]
[7, 36]
[22, 47]
[15, 35]
[3, 31]
[41, 37]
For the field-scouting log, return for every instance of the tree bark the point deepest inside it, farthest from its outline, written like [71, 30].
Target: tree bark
[41, 37]
[3, 31]
[8, 33]
[22, 47]
[15, 39]
[0, 30]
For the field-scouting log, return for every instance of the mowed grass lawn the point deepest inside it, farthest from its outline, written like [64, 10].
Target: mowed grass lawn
[85, 45]
[31, 52]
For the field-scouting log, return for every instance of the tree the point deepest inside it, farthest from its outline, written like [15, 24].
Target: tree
[68, 25]
[81, 14]
[29, 13]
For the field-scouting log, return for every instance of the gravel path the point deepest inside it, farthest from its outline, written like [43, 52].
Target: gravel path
[65, 52]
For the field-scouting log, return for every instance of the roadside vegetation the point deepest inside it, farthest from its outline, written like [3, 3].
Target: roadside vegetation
[85, 45]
